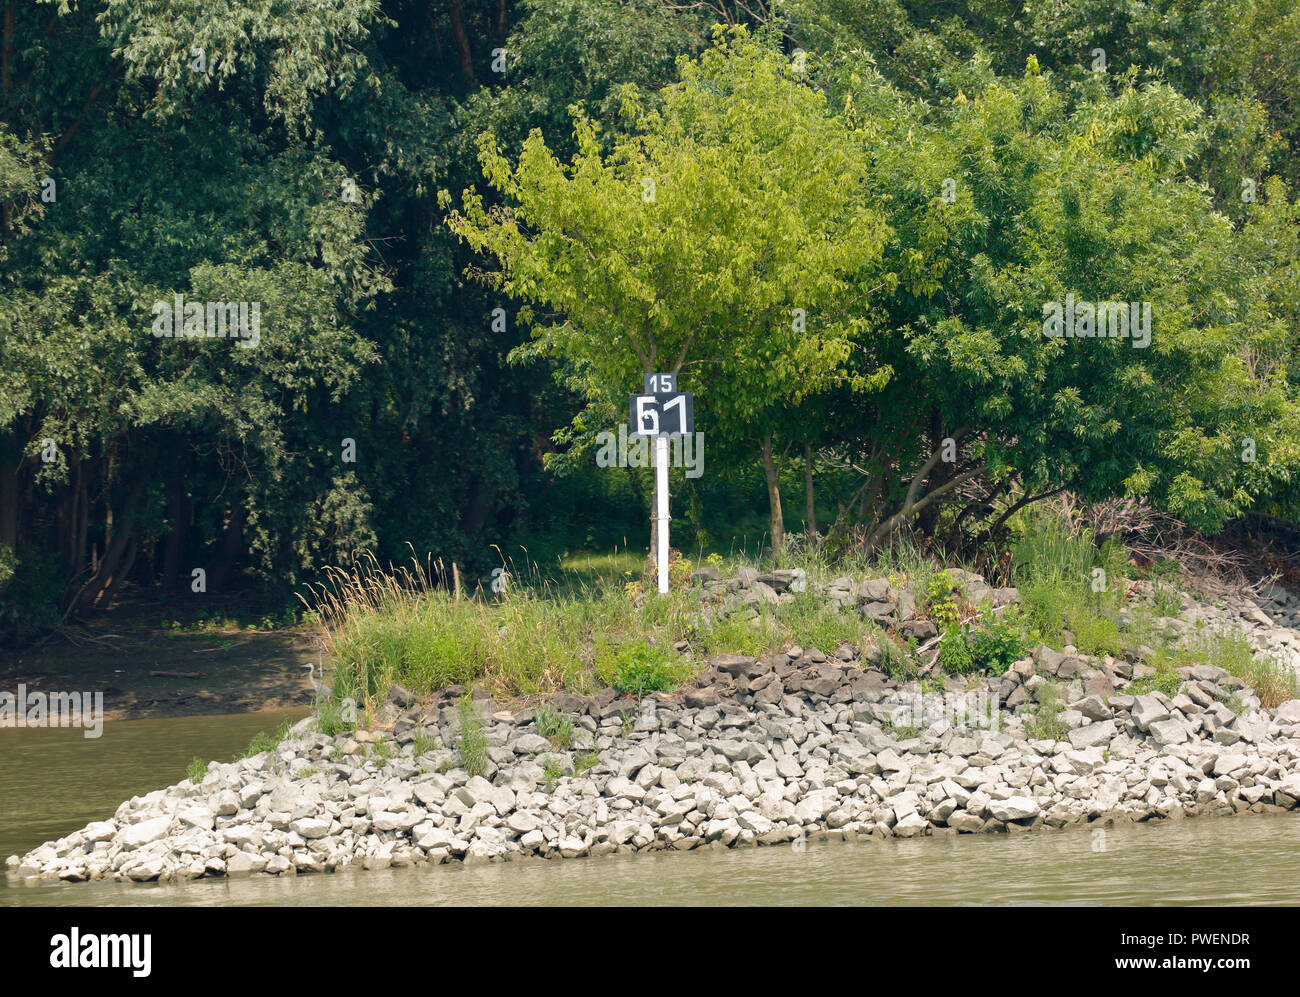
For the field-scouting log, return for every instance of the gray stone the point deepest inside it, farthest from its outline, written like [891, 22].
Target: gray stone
[1148, 710]
[1093, 708]
[311, 827]
[1014, 808]
[1288, 712]
[1093, 734]
[1166, 732]
[145, 832]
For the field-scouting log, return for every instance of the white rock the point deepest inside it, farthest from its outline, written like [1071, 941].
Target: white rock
[100, 830]
[145, 832]
[1014, 808]
[311, 827]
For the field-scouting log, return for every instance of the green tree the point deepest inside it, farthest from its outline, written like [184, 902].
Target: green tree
[720, 241]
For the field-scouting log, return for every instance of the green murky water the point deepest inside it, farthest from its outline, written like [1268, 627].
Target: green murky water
[55, 780]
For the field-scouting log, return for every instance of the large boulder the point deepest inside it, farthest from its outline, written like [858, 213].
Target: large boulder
[1148, 710]
[144, 833]
[1093, 735]
[1015, 808]
[1288, 712]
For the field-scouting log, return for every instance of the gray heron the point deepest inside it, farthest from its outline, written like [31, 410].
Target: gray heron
[323, 689]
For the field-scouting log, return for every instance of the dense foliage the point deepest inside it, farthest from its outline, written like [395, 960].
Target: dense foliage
[469, 225]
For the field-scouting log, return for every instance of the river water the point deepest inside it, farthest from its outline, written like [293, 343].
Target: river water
[52, 782]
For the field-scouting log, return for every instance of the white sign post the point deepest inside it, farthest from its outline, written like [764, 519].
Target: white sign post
[661, 500]
[662, 412]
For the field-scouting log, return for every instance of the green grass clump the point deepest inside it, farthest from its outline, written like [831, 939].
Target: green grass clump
[423, 743]
[1164, 681]
[556, 728]
[386, 627]
[1067, 581]
[932, 684]
[262, 741]
[472, 749]
[638, 668]
[1168, 600]
[1228, 649]
[1094, 633]
[197, 769]
[1044, 721]
[336, 715]
[809, 620]
[898, 663]
[552, 772]
[383, 750]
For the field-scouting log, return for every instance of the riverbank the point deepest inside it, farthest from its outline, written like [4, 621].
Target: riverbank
[754, 750]
[147, 666]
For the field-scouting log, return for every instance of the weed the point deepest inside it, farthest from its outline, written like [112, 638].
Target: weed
[1044, 721]
[423, 743]
[1272, 682]
[998, 642]
[267, 742]
[383, 749]
[904, 732]
[1167, 599]
[332, 718]
[472, 749]
[954, 653]
[198, 768]
[552, 772]
[941, 600]
[897, 662]
[556, 728]
[932, 684]
[638, 668]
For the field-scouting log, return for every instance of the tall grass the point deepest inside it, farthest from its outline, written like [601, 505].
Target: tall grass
[399, 626]
[1067, 582]
[1272, 681]
[408, 626]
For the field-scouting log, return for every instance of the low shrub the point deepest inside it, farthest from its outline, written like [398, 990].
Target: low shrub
[999, 641]
[638, 668]
[954, 652]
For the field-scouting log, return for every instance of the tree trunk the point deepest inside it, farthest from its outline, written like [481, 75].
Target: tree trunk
[107, 576]
[773, 496]
[8, 503]
[119, 576]
[232, 547]
[810, 523]
[174, 546]
[462, 42]
[940, 474]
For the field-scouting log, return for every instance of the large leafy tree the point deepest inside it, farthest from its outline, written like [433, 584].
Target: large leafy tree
[178, 163]
[721, 240]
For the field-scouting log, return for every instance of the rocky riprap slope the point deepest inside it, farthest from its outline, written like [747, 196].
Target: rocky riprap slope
[755, 751]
